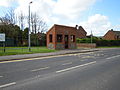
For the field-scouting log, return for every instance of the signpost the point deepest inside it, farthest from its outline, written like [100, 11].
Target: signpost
[2, 39]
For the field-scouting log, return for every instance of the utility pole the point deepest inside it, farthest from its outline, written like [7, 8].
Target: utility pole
[29, 41]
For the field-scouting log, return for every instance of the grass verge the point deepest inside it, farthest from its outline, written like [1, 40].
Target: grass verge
[23, 50]
[109, 47]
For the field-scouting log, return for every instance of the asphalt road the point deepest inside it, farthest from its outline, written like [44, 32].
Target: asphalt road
[98, 70]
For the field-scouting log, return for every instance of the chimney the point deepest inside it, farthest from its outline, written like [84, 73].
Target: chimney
[80, 27]
[77, 27]
[111, 29]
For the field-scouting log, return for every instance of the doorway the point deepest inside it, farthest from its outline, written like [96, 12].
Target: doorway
[66, 41]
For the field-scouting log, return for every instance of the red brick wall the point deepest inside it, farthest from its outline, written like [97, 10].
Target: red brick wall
[51, 31]
[64, 30]
[86, 45]
[81, 33]
[109, 35]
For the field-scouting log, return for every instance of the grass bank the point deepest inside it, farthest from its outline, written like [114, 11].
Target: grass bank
[23, 50]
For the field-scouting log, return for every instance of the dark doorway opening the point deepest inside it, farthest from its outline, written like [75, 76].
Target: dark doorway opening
[66, 41]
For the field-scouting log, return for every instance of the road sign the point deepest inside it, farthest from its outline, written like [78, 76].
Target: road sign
[2, 37]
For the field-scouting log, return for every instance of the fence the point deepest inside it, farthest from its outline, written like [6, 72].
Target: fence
[10, 42]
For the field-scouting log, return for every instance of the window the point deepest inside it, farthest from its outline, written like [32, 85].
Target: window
[118, 37]
[59, 38]
[72, 38]
[50, 38]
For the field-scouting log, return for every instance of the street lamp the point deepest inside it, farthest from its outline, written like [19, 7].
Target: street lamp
[91, 37]
[29, 43]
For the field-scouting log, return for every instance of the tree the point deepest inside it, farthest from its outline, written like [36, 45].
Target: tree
[9, 17]
[38, 25]
[21, 20]
[8, 25]
[25, 36]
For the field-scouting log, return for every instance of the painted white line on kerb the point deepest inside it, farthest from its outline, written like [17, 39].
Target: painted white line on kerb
[113, 57]
[75, 67]
[40, 69]
[6, 85]
[67, 63]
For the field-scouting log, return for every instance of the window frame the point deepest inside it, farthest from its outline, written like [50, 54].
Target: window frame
[72, 38]
[59, 38]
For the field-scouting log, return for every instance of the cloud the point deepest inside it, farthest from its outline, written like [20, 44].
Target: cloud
[56, 11]
[72, 9]
[99, 24]
[115, 27]
[42, 7]
[6, 3]
[66, 12]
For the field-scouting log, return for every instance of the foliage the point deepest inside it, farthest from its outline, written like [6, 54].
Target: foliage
[88, 40]
[108, 42]
[17, 37]
[99, 41]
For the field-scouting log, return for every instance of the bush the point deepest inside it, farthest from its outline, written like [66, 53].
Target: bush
[87, 40]
[99, 42]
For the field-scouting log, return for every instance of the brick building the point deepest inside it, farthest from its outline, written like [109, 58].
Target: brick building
[64, 37]
[112, 35]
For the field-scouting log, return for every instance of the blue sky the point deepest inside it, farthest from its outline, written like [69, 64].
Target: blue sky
[109, 8]
[96, 15]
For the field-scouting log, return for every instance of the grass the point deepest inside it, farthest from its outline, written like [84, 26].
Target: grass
[109, 47]
[23, 50]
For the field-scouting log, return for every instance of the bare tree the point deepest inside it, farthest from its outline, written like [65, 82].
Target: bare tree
[42, 26]
[9, 17]
[21, 20]
[38, 25]
[4, 20]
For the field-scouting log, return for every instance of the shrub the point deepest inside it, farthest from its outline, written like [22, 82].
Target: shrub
[99, 42]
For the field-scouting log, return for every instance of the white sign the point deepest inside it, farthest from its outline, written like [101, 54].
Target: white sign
[2, 37]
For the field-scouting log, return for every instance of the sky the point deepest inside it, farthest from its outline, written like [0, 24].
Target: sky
[97, 16]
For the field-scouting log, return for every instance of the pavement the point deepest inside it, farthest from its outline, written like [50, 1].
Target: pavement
[61, 52]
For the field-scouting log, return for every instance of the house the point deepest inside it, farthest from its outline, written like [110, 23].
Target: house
[64, 37]
[112, 35]
[81, 33]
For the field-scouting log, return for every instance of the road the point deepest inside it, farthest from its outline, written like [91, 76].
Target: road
[99, 70]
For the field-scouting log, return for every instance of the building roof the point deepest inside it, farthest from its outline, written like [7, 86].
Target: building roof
[117, 33]
[63, 25]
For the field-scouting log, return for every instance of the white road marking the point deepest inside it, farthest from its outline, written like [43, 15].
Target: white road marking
[40, 69]
[83, 60]
[67, 63]
[75, 67]
[37, 76]
[1, 76]
[113, 57]
[6, 85]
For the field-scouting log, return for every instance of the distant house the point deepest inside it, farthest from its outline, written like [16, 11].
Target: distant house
[112, 35]
[81, 33]
[64, 37]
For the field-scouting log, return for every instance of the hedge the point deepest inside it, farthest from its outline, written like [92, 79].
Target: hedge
[99, 41]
